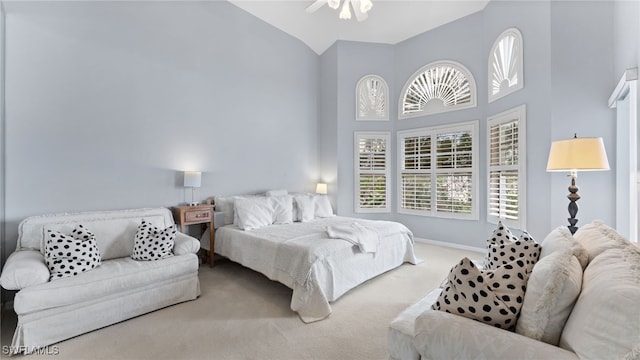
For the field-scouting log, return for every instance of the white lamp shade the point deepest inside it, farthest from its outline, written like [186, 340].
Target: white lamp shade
[583, 154]
[192, 179]
[321, 188]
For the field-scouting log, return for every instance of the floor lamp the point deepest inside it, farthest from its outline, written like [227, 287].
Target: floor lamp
[573, 155]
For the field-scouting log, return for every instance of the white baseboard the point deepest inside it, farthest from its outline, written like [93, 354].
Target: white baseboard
[452, 245]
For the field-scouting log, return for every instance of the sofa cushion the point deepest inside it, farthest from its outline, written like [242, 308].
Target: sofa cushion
[560, 239]
[598, 237]
[153, 243]
[501, 235]
[108, 280]
[552, 289]
[69, 255]
[524, 248]
[493, 297]
[604, 320]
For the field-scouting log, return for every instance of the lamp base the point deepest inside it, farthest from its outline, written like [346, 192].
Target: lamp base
[573, 206]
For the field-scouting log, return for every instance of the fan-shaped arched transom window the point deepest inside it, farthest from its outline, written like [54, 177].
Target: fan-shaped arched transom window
[437, 87]
[506, 64]
[372, 98]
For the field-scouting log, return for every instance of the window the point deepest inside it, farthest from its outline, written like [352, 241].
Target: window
[506, 64]
[507, 168]
[438, 171]
[437, 87]
[372, 171]
[372, 98]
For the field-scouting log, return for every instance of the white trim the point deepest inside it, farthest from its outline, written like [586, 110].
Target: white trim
[478, 250]
[519, 113]
[627, 154]
[623, 87]
[451, 63]
[386, 136]
[433, 172]
[519, 64]
[360, 83]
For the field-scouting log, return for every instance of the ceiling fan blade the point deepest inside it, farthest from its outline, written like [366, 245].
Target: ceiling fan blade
[360, 16]
[315, 6]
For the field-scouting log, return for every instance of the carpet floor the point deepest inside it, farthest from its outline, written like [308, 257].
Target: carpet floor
[243, 315]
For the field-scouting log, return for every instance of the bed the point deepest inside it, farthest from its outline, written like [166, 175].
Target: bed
[319, 268]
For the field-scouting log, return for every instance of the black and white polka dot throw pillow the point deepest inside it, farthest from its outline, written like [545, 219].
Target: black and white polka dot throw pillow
[69, 255]
[501, 235]
[152, 243]
[494, 297]
[525, 248]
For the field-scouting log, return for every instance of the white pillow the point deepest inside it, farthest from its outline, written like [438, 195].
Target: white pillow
[322, 206]
[552, 290]
[276, 192]
[604, 321]
[282, 209]
[254, 212]
[225, 205]
[560, 239]
[305, 206]
[598, 237]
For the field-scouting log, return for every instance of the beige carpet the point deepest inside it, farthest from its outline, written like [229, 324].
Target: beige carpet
[243, 315]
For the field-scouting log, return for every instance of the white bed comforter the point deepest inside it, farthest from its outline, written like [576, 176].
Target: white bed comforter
[318, 268]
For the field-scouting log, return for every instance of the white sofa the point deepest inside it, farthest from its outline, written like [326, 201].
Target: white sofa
[589, 314]
[119, 289]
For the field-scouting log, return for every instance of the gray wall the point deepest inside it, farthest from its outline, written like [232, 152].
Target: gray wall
[568, 78]
[107, 102]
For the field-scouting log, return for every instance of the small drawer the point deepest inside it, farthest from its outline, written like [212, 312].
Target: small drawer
[197, 215]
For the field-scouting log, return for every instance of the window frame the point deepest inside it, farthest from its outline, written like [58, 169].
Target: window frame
[519, 66]
[424, 112]
[433, 171]
[386, 136]
[361, 83]
[519, 114]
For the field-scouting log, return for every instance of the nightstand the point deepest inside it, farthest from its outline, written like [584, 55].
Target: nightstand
[199, 214]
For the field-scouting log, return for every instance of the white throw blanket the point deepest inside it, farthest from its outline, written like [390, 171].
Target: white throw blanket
[366, 238]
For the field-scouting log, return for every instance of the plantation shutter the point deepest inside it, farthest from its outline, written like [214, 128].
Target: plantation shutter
[372, 171]
[504, 174]
[454, 178]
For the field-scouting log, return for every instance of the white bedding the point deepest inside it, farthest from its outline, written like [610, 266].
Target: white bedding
[319, 269]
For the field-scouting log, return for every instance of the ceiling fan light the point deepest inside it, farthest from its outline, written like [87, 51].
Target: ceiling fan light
[334, 4]
[345, 13]
[365, 5]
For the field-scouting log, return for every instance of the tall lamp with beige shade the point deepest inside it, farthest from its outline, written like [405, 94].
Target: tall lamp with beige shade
[573, 155]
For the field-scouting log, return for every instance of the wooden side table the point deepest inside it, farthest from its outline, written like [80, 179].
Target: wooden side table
[199, 214]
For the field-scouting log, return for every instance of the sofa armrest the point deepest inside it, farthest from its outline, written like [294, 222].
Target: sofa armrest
[24, 268]
[185, 244]
[440, 335]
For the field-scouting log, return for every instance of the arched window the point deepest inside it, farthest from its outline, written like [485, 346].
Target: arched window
[437, 87]
[372, 98]
[506, 65]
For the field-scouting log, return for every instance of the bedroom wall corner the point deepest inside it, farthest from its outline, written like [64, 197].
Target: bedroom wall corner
[328, 123]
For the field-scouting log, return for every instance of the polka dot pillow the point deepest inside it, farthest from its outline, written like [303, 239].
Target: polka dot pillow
[525, 248]
[494, 297]
[152, 243]
[70, 255]
[501, 235]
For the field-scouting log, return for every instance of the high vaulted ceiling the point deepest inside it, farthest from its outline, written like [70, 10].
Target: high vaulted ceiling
[389, 21]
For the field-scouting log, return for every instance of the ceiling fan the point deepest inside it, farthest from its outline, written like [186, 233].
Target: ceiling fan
[360, 8]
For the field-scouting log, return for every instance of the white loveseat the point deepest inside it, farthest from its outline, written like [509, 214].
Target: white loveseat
[119, 289]
[587, 314]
